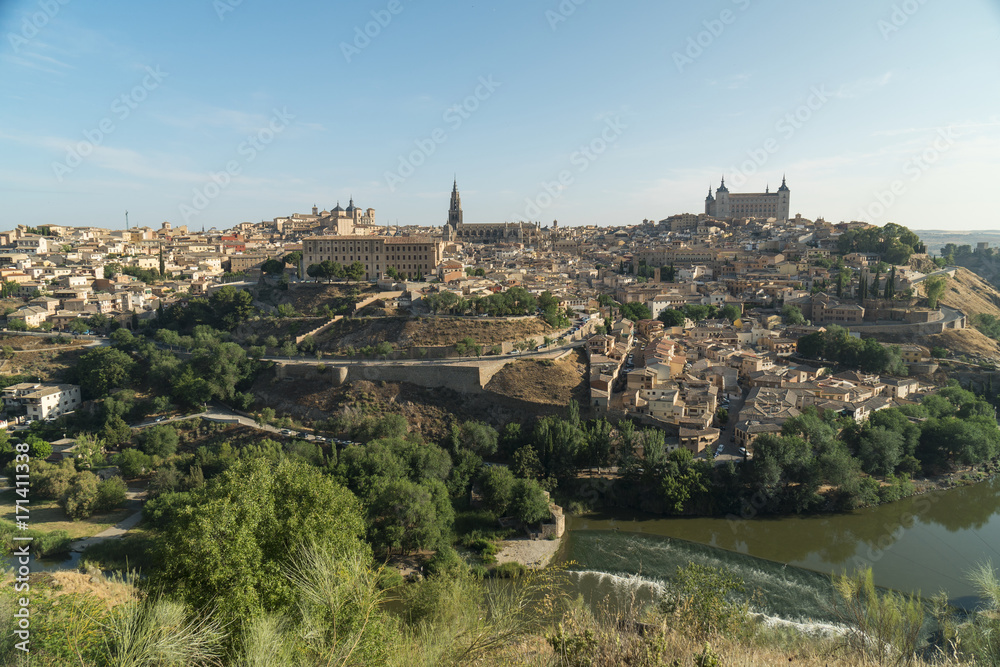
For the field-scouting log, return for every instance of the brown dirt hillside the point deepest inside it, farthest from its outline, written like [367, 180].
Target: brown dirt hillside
[971, 294]
[430, 411]
[543, 382]
[32, 358]
[967, 291]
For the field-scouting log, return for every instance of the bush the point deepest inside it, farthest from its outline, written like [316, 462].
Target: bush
[51, 544]
[701, 598]
[52, 481]
[111, 494]
[80, 499]
[446, 562]
[389, 577]
[132, 462]
[159, 441]
[510, 571]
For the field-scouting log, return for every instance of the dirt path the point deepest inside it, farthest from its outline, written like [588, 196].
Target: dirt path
[136, 498]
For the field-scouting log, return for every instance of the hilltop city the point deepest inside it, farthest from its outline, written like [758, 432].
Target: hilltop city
[677, 316]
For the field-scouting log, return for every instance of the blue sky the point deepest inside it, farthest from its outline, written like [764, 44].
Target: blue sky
[214, 112]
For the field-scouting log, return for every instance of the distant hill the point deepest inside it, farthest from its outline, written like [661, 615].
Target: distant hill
[935, 239]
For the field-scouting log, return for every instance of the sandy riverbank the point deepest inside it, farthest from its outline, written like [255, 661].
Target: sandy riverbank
[533, 554]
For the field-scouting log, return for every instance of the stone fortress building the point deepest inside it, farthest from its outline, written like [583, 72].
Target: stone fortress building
[339, 221]
[765, 204]
[458, 231]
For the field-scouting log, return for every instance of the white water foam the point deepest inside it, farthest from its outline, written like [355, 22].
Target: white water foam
[625, 586]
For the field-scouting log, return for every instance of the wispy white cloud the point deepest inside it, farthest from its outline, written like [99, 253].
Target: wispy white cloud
[862, 87]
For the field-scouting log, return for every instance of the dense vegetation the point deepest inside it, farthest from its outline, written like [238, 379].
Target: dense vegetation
[837, 345]
[894, 242]
[513, 302]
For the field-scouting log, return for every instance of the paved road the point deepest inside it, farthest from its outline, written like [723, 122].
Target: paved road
[730, 451]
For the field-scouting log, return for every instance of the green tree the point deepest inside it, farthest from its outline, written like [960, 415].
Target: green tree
[355, 271]
[115, 431]
[636, 311]
[78, 326]
[38, 448]
[229, 547]
[792, 315]
[934, 288]
[80, 499]
[159, 440]
[272, 267]
[529, 503]
[111, 494]
[671, 317]
[527, 464]
[132, 462]
[475, 436]
[880, 450]
[405, 516]
[731, 312]
[497, 484]
[102, 370]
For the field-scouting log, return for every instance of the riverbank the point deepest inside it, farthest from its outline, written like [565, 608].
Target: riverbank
[532, 554]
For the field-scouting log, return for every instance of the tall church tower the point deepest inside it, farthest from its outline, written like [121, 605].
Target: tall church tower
[454, 215]
[455, 210]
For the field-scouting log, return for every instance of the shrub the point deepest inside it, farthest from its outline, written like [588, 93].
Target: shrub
[51, 543]
[111, 494]
[446, 562]
[510, 571]
[159, 440]
[132, 462]
[52, 481]
[389, 577]
[81, 498]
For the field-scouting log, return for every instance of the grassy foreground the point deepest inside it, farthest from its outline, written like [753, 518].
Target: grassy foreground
[349, 613]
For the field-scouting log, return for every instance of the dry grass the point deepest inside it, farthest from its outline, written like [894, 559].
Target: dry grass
[110, 591]
[543, 382]
[46, 515]
[968, 292]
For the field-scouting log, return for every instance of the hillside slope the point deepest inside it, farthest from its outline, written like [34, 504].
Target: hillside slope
[972, 294]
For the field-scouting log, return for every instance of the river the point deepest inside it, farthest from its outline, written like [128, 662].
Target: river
[923, 544]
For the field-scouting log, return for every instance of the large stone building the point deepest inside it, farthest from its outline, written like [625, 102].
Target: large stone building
[458, 231]
[765, 204]
[412, 256]
[338, 220]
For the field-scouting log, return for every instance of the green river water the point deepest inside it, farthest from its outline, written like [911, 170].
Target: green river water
[922, 544]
